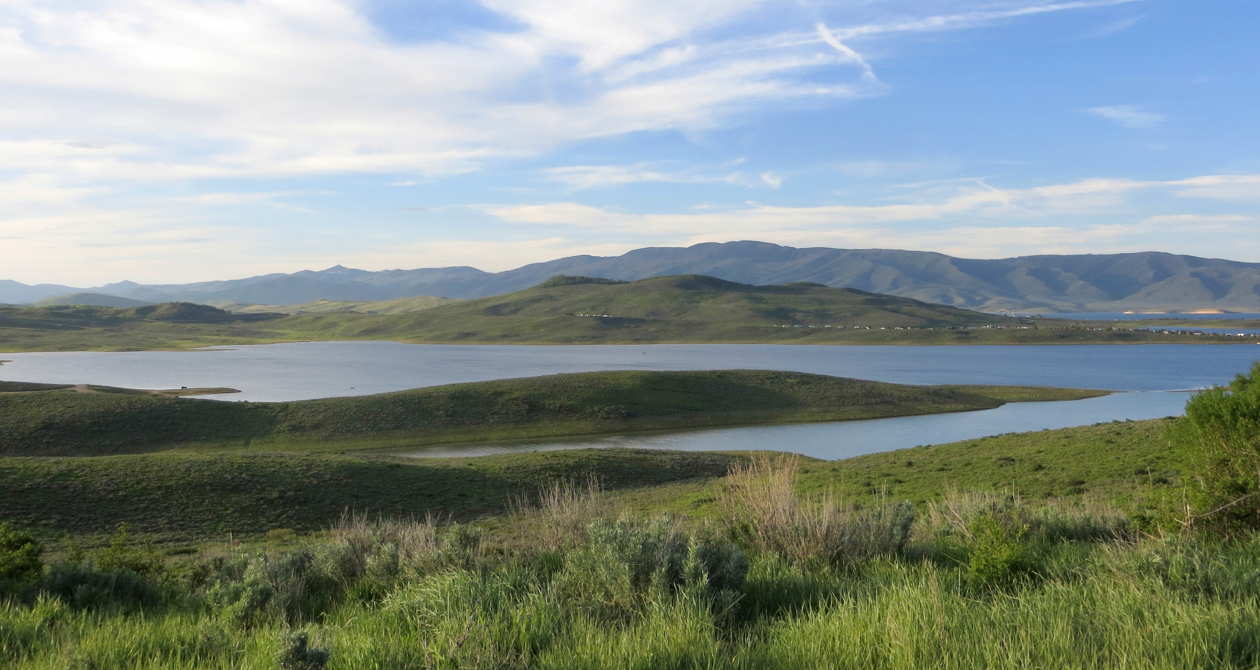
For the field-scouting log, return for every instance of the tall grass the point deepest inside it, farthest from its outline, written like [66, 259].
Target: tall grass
[760, 502]
[800, 589]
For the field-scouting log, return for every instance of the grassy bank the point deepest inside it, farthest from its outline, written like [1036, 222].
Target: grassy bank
[74, 422]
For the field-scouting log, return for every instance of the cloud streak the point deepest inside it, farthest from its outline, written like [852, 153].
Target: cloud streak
[1129, 116]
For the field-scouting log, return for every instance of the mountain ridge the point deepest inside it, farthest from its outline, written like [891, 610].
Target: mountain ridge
[1150, 281]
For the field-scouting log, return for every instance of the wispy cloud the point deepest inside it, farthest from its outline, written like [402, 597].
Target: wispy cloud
[1129, 116]
[1114, 27]
[849, 54]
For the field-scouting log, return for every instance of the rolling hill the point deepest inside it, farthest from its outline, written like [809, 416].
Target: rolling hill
[395, 306]
[686, 308]
[1147, 281]
[91, 299]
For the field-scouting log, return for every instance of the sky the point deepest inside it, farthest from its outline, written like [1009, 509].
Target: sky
[187, 140]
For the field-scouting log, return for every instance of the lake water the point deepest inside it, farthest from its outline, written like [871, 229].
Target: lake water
[322, 369]
[845, 439]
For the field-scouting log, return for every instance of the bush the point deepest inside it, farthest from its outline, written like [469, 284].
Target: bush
[297, 655]
[762, 508]
[123, 553]
[1222, 427]
[627, 565]
[84, 586]
[19, 555]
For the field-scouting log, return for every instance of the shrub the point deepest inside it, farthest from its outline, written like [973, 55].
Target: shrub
[1222, 427]
[84, 586]
[297, 655]
[625, 565]
[123, 553]
[19, 555]
[762, 508]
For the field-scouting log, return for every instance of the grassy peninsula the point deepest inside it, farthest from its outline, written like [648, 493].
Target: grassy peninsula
[80, 421]
[571, 310]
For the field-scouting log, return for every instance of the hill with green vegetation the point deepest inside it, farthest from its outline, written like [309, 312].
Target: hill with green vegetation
[576, 310]
[61, 421]
[396, 306]
[91, 299]
[688, 308]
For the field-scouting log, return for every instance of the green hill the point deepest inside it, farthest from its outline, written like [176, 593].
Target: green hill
[687, 308]
[572, 310]
[92, 299]
[73, 422]
[397, 306]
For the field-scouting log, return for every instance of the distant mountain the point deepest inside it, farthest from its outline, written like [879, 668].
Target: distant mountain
[1068, 283]
[93, 299]
[17, 293]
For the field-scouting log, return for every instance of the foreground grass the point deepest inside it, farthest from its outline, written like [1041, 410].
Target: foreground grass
[1079, 592]
[70, 422]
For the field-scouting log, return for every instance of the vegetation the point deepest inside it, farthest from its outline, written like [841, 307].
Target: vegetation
[973, 581]
[1222, 425]
[569, 310]
[977, 554]
[395, 306]
[74, 422]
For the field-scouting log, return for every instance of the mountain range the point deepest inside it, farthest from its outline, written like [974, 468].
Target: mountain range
[1145, 281]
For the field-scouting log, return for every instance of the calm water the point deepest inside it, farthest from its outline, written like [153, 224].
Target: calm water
[322, 369]
[1120, 316]
[845, 439]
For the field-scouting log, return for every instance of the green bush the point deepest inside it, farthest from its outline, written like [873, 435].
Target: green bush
[1001, 549]
[1222, 427]
[84, 586]
[298, 655]
[125, 553]
[19, 555]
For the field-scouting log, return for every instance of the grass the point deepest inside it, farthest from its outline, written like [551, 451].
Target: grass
[72, 422]
[684, 309]
[184, 495]
[667, 593]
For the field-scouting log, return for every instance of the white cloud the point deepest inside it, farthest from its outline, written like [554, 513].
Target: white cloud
[582, 177]
[844, 50]
[1114, 27]
[771, 179]
[1129, 116]
[1006, 214]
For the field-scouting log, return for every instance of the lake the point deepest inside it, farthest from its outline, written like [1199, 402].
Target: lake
[304, 370]
[845, 439]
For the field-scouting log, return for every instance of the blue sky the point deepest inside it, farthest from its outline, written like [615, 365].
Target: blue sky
[172, 140]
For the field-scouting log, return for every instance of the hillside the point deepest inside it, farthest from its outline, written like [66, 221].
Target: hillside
[574, 310]
[91, 299]
[72, 422]
[1064, 283]
[395, 306]
[687, 308]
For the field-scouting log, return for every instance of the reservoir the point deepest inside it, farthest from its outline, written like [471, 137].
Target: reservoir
[1152, 379]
